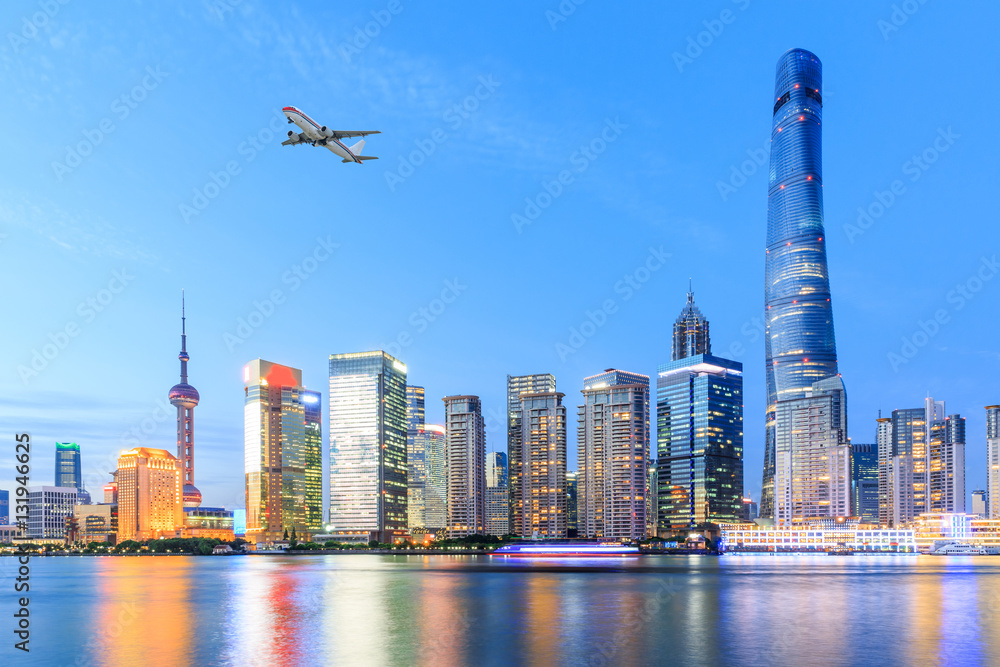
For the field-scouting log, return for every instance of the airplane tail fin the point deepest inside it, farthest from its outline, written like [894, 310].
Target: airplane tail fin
[356, 148]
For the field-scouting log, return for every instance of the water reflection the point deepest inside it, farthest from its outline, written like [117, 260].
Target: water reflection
[143, 611]
[359, 609]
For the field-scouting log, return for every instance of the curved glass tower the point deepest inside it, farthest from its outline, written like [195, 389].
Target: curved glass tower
[800, 346]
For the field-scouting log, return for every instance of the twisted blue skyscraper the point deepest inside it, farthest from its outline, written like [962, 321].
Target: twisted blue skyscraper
[800, 346]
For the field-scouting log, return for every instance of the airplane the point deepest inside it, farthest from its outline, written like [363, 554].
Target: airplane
[315, 134]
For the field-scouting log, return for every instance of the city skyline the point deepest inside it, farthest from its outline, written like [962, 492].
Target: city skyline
[128, 342]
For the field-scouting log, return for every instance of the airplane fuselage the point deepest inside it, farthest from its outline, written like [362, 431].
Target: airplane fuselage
[314, 131]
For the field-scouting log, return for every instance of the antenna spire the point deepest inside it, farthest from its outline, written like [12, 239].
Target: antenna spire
[183, 356]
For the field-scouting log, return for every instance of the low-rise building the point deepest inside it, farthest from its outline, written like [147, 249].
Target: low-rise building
[48, 509]
[817, 537]
[96, 523]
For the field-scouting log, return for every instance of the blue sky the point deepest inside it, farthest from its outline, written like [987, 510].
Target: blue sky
[142, 156]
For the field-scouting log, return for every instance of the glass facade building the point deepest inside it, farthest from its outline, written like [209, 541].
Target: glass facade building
[613, 451]
[864, 482]
[465, 431]
[312, 405]
[699, 442]
[800, 348]
[497, 497]
[699, 431]
[572, 504]
[516, 386]
[367, 423]
[427, 478]
[68, 470]
[279, 464]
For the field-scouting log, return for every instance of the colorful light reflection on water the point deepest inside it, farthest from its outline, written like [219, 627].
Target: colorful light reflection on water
[450, 610]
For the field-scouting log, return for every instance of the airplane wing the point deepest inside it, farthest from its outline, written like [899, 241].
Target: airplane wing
[295, 140]
[344, 134]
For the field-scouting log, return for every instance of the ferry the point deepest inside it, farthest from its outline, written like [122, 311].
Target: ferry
[565, 549]
[959, 549]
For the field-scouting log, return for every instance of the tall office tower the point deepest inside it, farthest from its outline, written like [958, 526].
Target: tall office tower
[185, 397]
[543, 489]
[927, 465]
[864, 483]
[414, 407]
[699, 432]
[993, 461]
[465, 431]
[497, 498]
[979, 503]
[68, 470]
[517, 385]
[416, 463]
[276, 456]
[652, 498]
[812, 478]
[313, 442]
[150, 494]
[48, 509]
[886, 477]
[613, 450]
[800, 348]
[368, 446]
[572, 504]
[427, 477]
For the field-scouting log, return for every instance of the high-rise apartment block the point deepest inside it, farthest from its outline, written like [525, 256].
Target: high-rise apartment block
[613, 451]
[465, 434]
[541, 496]
[921, 463]
[516, 386]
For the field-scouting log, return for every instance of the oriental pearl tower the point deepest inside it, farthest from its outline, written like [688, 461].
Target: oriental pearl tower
[185, 397]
